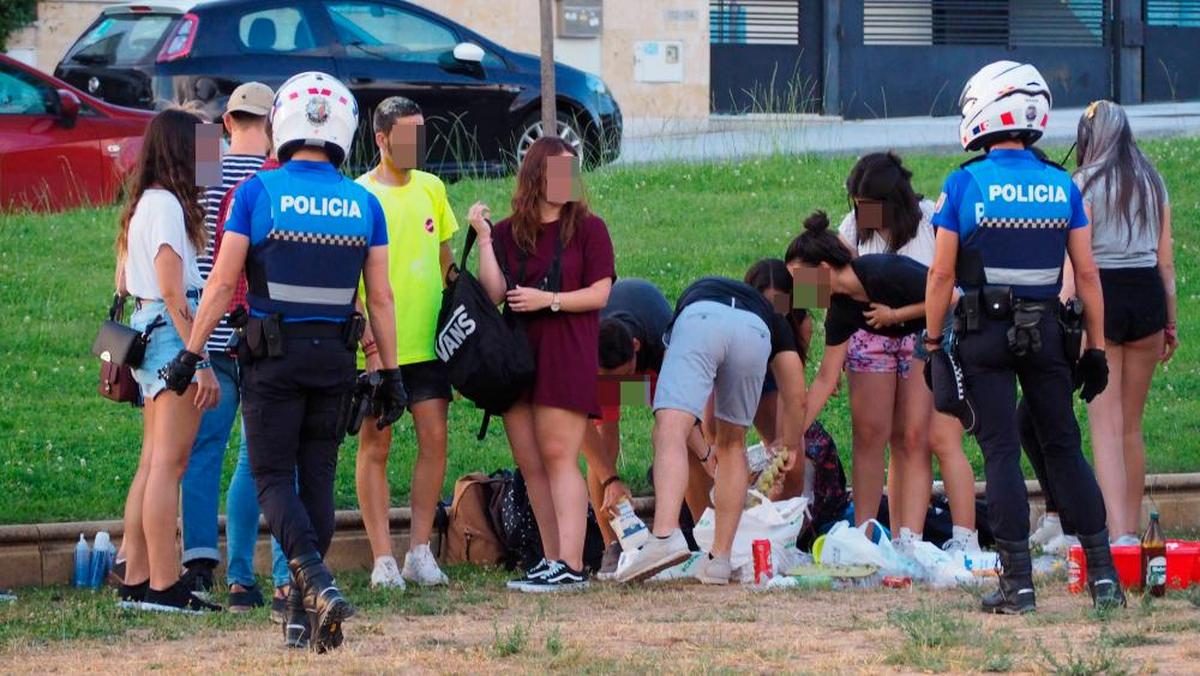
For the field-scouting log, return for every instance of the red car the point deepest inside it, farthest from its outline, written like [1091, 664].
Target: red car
[59, 147]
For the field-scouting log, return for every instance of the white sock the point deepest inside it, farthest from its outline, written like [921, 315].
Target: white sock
[384, 557]
[417, 549]
[962, 534]
[1052, 519]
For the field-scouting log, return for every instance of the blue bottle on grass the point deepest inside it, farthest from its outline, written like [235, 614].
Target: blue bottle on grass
[101, 560]
[83, 562]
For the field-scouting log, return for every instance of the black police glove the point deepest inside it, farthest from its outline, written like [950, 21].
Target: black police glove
[178, 372]
[949, 388]
[390, 397]
[1091, 373]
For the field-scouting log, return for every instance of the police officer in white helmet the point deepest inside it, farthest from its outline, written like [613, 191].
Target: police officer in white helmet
[304, 235]
[1005, 222]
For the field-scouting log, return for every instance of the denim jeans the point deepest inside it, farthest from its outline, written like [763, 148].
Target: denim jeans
[201, 486]
[241, 527]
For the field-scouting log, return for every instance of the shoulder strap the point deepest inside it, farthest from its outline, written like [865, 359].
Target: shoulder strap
[116, 311]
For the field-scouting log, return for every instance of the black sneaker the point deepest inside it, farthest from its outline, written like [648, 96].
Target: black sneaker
[131, 595]
[558, 577]
[198, 575]
[530, 575]
[246, 600]
[176, 599]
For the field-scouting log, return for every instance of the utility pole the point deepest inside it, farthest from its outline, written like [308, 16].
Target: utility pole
[549, 113]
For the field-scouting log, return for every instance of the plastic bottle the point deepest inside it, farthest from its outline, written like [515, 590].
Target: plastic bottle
[630, 530]
[1154, 558]
[83, 562]
[101, 560]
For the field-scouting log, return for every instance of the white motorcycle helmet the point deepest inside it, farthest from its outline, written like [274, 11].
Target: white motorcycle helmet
[314, 109]
[1004, 99]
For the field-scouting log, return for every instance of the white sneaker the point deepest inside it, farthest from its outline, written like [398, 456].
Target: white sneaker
[1049, 527]
[386, 574]
[1061, 544]
[965, 544]
[657, 555]
[421, 568]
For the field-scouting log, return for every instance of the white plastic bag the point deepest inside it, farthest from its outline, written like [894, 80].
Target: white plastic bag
[846, 545]
[939, 568]
[780, 522]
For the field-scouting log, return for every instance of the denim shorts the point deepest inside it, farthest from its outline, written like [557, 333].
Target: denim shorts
[947, 339]
[164, 344]
[715, 348]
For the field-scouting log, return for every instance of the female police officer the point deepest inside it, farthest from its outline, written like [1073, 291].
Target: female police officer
[1005, 220]
[304, 235]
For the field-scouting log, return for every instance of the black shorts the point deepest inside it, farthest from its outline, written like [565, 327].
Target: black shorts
[1135, 303]
[425, 380]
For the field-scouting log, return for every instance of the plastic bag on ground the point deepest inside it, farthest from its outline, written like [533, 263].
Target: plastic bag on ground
[938, 568]
[848, 545]
[779, 522]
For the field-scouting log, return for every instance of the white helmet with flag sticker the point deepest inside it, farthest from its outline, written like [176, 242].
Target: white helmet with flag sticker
[314, 109]
[1004, 99]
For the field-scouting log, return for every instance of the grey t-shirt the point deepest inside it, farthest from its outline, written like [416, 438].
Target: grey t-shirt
[1116, 244]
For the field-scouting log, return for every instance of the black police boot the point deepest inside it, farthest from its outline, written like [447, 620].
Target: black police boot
[296, 633]
[323, 601]
[1015, 595]
[1103, 583]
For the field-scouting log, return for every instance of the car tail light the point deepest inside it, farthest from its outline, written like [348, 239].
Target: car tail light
[181, 40]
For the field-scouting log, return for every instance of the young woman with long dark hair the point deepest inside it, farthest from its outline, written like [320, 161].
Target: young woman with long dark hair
[1127, 204]
[161, 230]
[887, 216]
[559, 307]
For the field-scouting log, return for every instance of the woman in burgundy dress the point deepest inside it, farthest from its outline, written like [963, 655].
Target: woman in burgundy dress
[558, 305]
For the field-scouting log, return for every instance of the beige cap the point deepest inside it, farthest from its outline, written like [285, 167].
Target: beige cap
[255, 98]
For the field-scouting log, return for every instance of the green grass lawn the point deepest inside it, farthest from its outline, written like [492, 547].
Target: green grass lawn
[67, 454]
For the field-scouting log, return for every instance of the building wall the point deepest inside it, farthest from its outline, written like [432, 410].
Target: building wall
[514, 24]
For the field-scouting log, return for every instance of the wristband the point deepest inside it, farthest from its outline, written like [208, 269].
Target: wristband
[368, 353]
[609, 481]
[368, 345]
[205, 364]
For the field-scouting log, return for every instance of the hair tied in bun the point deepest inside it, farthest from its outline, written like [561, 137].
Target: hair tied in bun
[817, 222]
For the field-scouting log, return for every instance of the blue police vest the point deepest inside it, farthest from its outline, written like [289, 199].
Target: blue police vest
[309, 263]
[1022, 222]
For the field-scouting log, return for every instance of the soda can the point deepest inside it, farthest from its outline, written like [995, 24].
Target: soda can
[1076, 570]
[897, 581]
[762, 560]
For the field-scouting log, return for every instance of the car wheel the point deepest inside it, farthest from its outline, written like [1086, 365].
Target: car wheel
[532, 129]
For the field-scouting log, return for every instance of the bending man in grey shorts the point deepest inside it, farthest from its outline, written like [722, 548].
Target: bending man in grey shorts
[724, 336]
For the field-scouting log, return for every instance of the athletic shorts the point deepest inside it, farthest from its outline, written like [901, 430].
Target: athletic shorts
[872, 353]
[1135, 303]
[719, 349]
[164, 344]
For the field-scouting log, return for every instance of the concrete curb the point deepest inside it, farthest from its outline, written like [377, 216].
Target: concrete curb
[43, 554]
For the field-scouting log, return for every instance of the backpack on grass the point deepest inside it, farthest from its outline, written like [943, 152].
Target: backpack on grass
[470, 536]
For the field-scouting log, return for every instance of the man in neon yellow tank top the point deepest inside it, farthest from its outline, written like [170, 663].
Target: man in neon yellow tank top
[420, 224]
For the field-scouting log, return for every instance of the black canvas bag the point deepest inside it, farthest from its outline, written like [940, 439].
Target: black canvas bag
[488, 359]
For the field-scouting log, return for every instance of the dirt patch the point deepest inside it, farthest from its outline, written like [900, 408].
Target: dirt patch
[680, 627]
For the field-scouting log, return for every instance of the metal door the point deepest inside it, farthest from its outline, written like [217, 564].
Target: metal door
[1170, 66]
[765, 56]
[912, 57]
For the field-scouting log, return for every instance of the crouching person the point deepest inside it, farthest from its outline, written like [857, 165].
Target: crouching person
[724, 337]
[304, 235]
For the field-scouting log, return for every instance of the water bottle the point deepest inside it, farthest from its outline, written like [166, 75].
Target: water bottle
[101, 560]
[83, 562]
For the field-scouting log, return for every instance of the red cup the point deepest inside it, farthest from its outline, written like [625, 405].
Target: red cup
[762, 560]
[1076, 570]
[1182, 561]
[1128, 561]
